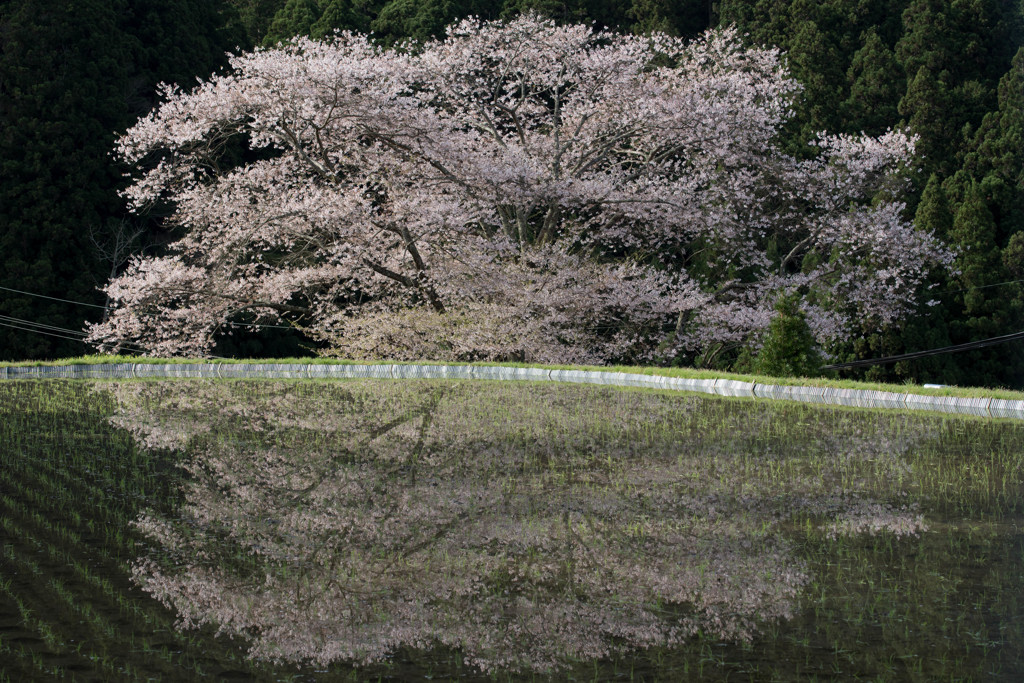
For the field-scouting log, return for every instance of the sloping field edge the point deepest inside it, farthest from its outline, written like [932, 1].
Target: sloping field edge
[983, 407]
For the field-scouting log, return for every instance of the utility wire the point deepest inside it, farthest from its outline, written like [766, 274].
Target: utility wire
[52, 331]
[41, 325]
[126, 347]
[108, 308]
[49, 334]
[971, 289]
[53, 298]
[981, 343]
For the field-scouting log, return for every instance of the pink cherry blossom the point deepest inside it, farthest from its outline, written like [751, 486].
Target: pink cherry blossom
[572, 195]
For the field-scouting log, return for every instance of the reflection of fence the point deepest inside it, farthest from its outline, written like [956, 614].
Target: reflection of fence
[987, 407]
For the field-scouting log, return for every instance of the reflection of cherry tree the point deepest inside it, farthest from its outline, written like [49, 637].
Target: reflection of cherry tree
[527, 527]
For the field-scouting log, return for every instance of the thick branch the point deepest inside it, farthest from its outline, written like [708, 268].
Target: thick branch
[793, 253]
[435, 301]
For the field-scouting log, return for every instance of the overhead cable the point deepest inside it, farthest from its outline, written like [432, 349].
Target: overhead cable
[53, 298]
[969, 346]
[108, 308]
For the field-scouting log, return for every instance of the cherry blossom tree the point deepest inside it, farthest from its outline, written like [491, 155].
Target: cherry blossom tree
[516, 190]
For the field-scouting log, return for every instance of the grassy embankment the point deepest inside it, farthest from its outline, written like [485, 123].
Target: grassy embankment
[960, 392]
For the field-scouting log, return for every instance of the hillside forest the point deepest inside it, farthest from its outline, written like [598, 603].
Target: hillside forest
[75, 76]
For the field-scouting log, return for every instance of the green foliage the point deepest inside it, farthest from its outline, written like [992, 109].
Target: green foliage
[343, 15]
[926, 110]
[986, 305]
[978, 262]
[57, 117]
[296, 18]
[876, 83]
[933, 212]
[421, 20]
[71, 75]
[254, 17]
[674, 17]
[789, 348]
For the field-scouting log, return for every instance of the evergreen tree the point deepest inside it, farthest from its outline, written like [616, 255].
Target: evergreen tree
[344, 15]
[255, 17]
[953, 52]
[933, 213]
[789, 348]
[59, 106]
[71, 76]
[926, 110]
[876, 83]
[675, 17]
[818, 63]
[988, 308]
[421, 20]
[296, 18]
[998, 150]
[766, 21]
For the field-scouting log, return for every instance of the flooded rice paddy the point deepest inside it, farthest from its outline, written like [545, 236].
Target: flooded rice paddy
[385, 530]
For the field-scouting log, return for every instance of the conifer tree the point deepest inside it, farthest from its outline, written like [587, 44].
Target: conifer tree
[344, 15]
[933, 213]
[926, 109]
[876, 83]
[789, 348]
[988, 308]
[998, 150]
[422, 20]
[296, 18]
[57, 114]
[674, 17]
[71, 76]
[255, 17]
[817, 62]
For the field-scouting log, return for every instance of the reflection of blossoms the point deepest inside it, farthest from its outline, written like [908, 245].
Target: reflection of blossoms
[527, 527]
[872, 517]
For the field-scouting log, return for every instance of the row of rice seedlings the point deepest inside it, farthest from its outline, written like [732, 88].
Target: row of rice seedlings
[927, 606]
[76, 512]
[21, 661]
[81, 512]
[95, 594]
[76, 601]
[81, 560]
[872, 621]
[57, 630]
[705, 434]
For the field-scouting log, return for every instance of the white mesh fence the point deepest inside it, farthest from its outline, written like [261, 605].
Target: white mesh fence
[861, 398]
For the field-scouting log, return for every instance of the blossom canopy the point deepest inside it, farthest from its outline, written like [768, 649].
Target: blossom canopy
[515, 190]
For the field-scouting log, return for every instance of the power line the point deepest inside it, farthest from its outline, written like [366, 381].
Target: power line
[971, 289]
[49, 334]
[981, 343]
[53, 331]
[41, 329]
[108, 308]
[42, 326]
[53, 298]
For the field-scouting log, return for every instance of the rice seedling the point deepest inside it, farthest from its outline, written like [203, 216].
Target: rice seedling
[511, 531]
